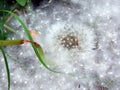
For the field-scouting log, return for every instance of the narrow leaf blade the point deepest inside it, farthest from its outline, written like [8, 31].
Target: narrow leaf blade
[7, 67]
[22, 2]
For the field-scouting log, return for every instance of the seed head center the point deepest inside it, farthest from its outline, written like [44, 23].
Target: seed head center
[70, 42]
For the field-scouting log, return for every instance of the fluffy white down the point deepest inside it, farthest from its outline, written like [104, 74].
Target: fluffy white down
[96, 60]
[84, 34]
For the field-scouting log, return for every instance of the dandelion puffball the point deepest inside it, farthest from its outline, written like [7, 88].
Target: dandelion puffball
[67, 40]
[80, 36]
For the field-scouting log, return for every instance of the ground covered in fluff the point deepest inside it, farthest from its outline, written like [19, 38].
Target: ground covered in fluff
[81, 37]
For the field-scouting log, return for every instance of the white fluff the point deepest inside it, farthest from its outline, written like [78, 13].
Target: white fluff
[96, 26]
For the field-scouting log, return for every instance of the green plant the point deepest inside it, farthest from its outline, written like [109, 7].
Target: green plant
[22, 2]
[5, 12]
[36, 47]
[7, 67]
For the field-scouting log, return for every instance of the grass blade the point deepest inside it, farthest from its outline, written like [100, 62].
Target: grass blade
[31, 39]
[7, 67]
[22, 2]
[10, 42]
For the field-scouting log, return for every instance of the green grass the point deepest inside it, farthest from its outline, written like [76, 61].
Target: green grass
[7, 67]
[5, 31]
[38, 50]
[36, 47]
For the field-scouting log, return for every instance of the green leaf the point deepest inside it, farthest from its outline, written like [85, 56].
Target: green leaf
[22, 2]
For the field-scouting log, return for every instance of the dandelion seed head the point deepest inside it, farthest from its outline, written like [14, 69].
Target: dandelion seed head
[71, 36]
[68, 34]
[68, 40]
